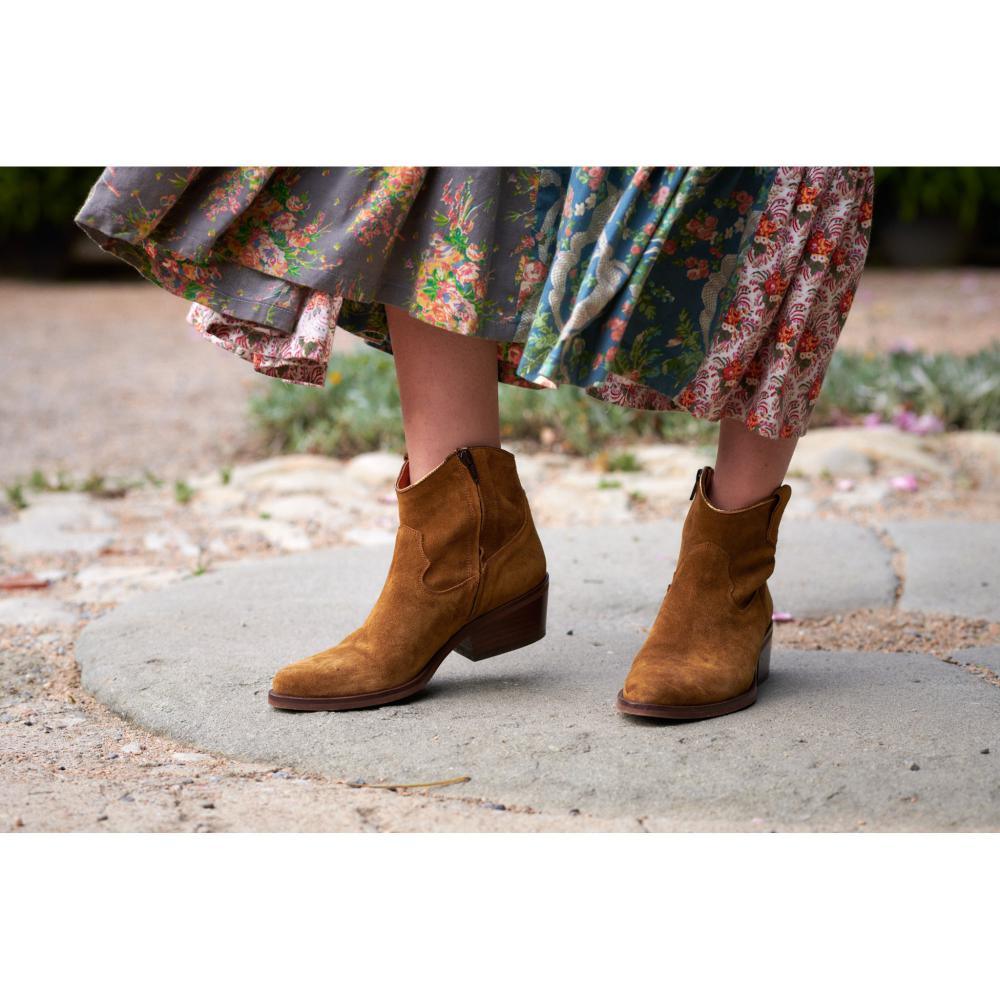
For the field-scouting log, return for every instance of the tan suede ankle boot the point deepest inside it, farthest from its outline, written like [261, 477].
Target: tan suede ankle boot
[467, 574]
[710, 644]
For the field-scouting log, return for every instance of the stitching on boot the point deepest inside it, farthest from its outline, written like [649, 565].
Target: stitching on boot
[427, 564]
[729, 574]
[517, 533]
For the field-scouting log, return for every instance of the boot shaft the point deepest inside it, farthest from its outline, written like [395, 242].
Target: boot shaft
[748, 536]
[473, 518]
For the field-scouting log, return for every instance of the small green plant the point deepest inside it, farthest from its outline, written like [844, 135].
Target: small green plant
[622, 461]
[38, 482]
[15, 496]
[609, 484]
[93, 484]
[357, 410]
[183, 493]
[226, 475]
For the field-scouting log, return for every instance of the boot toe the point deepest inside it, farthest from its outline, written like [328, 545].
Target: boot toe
[673, 684]
[331, 678]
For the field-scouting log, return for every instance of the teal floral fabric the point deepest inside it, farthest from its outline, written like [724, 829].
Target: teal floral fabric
[720, 291]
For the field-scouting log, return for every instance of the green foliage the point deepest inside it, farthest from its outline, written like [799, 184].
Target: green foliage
[35, 199]
[963, 392]
[183, 493]
[622, 461]
[963, 193]
[15, 496]
[358, 409]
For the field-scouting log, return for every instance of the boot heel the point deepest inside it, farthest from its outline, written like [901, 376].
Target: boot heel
[515, 624]
[764, 660]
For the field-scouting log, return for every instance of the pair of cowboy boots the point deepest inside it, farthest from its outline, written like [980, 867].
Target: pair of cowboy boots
[468, 575]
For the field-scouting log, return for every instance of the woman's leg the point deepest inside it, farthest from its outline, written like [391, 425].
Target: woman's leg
[448, 390]
[748, 466]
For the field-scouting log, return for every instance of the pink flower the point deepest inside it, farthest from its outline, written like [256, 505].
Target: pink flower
[467, 272]
[696, 268]
[295, 204]
[703, 229]
[284, 222]
[616, 329]
[905, 484]
[534, 271]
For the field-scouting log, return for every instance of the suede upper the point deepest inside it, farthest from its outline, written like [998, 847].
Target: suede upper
[465, 545]
[704, 644]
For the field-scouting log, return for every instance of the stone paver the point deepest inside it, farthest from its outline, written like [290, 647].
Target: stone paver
[60, 522]
[951, 567]
[837, 739]
[979, 656]
[35, 610]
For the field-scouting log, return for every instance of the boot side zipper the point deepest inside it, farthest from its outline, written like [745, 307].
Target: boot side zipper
[465, 457]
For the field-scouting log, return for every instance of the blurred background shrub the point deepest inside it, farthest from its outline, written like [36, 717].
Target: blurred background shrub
[358, 410]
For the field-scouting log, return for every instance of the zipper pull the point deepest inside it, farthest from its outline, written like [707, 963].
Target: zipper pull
[465, 457]
[697, 479]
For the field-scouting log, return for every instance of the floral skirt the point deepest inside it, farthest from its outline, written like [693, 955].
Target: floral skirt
[719, 291]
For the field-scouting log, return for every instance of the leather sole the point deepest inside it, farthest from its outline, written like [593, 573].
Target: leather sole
[712, 709]
[517, 623]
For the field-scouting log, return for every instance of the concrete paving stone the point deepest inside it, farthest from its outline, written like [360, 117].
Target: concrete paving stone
[893, 450]
[831, 743]
[952, 567]
[35, 611]
[375, 468]
[61, 522]
[299, 507]
[111, 584]
[979, 656]
[285, 536]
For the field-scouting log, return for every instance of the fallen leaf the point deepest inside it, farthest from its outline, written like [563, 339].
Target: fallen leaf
[22, 581]
[419, 784]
